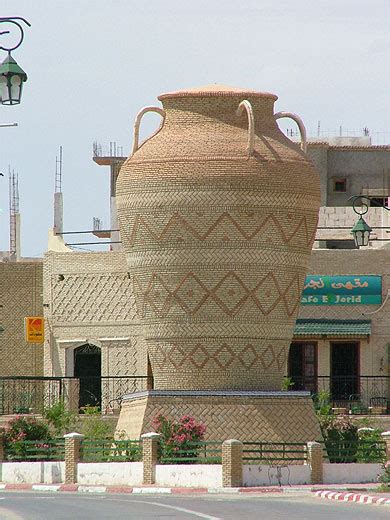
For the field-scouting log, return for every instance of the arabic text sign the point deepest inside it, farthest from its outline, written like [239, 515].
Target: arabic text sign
[342, 290]
[34, 329]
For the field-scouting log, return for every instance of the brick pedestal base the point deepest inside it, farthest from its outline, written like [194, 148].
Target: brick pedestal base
[245, 416]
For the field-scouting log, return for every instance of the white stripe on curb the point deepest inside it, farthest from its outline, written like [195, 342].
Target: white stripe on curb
[43, 487]
[146, 491]
[92, 489]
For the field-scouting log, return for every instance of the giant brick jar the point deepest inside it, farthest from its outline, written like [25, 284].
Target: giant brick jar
[217, 212]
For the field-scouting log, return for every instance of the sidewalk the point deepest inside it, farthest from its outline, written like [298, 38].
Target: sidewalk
[361, 493]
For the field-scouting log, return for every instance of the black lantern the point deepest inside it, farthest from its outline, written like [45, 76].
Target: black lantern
[12, 78]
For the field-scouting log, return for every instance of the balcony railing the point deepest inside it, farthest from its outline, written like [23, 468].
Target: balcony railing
[357, 393]
[34, 394]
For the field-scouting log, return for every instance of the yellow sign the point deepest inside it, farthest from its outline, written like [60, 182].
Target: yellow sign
[34, 329]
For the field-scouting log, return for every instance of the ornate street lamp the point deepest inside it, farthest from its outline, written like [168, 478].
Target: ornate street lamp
[12, 76]
[361, 230]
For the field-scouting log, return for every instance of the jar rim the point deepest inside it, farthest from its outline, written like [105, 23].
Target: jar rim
[217, 91]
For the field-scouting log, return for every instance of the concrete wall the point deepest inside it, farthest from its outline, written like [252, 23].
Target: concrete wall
[363, 167]
[110, 473]
[20, 296]
[32, 472]
[333, 217]
[319, 155]
[182, 475]
[351, 473]
[185, 475]
[268, 475]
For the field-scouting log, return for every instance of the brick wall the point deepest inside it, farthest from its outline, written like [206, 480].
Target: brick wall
[20, 296]
[89, 299]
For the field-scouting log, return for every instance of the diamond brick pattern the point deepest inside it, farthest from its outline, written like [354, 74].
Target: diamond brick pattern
[194, 293]
[221, 355]
[98, 297]
[224, 227]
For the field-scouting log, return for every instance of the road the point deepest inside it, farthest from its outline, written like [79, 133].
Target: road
[68, 506]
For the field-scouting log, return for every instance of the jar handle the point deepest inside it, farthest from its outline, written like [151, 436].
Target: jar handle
[299, 122]
[137, 123]
[245, 104]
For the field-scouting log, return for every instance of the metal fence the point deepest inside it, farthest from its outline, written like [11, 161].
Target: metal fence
[348, 451]
[40, 450]
[293, 452]
[192, 452]
[110, 450]
[200, 452]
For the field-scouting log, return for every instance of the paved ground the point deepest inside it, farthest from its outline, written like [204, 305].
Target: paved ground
[70, 506]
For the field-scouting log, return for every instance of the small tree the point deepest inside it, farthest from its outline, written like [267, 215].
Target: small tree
[59, 418]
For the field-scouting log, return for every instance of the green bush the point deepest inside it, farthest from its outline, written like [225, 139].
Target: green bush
[341, 438]
[95, 427]
[60, 419]
[286, 384]
[370, 448]
[90, 410]
[322, 403]
[384, 479]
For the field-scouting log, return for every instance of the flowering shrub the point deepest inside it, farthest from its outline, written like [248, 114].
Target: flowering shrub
[23, 429]
[179, 440]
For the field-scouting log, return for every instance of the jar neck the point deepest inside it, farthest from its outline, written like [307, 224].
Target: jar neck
[222, 109]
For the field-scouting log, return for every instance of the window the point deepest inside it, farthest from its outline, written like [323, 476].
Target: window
[379, 202]
[340, 185]
[302, 366]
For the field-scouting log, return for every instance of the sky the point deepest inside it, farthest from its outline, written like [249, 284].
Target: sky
[92, 64]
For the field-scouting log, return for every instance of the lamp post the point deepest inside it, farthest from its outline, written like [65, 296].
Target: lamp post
[12, 76]
[361, 230]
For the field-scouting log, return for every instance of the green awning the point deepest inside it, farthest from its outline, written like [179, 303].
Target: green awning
[332, 328]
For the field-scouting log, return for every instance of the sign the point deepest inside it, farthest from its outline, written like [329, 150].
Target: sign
[34, 329]
[342, 290]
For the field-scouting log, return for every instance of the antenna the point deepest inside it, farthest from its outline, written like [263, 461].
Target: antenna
[14, 246]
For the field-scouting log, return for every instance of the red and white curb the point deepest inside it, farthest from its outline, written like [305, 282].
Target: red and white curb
[353, 497]
[150, 490]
